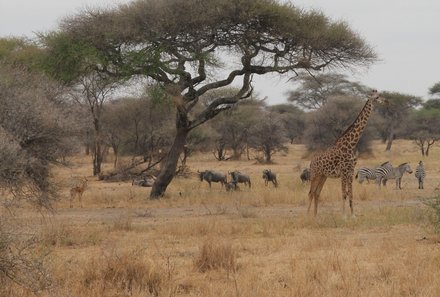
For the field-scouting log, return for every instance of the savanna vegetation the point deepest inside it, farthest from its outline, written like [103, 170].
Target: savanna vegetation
[198, 241]
[70, 128]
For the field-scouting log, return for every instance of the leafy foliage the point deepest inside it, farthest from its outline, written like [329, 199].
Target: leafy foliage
[326, 124]
[314, 92]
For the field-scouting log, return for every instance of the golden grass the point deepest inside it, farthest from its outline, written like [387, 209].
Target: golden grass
[198, 241]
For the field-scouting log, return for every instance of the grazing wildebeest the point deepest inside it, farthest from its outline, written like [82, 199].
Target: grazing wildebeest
[231, 186]
[270, 176]
[238, 177]
[305, 175]
[212, 176]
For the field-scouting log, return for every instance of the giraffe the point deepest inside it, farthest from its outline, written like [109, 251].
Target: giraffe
[339, 160]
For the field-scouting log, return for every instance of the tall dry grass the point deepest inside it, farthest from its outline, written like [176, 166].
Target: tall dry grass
[198, 241]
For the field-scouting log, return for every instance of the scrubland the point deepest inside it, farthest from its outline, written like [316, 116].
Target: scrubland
[198, 241]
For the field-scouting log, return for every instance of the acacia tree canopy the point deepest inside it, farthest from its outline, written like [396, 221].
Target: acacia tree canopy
[182, 44]
[315, 91]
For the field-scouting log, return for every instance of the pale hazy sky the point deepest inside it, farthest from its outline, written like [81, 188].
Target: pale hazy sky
[404, 33]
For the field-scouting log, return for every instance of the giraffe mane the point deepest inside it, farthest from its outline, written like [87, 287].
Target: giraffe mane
[352, 124]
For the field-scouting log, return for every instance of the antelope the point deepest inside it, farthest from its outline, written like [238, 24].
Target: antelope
[78, 191]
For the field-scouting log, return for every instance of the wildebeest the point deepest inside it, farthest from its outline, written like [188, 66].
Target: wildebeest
[305, 175]
[238, 177]
[231, 186]
[212, 176]
[146, 181]
[270, 176]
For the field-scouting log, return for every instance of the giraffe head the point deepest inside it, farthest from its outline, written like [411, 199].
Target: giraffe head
[374, 96]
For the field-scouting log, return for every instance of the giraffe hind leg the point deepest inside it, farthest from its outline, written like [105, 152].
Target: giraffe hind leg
[312, 192]
[316, 185]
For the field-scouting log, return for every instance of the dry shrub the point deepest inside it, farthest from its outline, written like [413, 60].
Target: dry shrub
[22, 264]
[123, 274]
[57, 235]
[215, 255]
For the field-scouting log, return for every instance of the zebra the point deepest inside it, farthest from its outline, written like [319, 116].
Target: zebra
[420, 174]
[386, 172]
[386, 165]
[270, 176]
[212, 176]
[365, 173]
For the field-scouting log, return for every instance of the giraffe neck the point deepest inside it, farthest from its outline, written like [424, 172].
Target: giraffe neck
[350, 138]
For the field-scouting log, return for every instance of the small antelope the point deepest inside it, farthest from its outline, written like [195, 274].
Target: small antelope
[78, 191]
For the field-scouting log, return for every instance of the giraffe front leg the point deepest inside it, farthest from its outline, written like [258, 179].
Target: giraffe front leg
[350, 194]
[344, 192]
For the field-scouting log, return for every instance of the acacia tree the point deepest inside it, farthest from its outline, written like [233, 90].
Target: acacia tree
[424, 126]
[314, 91]
[183, 43]
[292, 119]
[395, 113]
[326, 124]
[268, 136]
[435, 89]
[233, 127]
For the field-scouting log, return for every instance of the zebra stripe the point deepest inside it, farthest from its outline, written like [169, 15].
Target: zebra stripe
[389, 172]
[379, 172]
[420, 174]
[365, 173]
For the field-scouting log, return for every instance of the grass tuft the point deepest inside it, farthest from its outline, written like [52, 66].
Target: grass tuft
[214, 255]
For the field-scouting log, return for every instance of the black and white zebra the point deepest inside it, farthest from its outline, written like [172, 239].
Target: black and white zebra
[379, 179]
[365, 173]
[386, 173]
[420, 174]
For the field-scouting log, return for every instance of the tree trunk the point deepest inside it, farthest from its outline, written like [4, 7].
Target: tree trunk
[97, 149]
[236, 153]
[97, 159]
[268, 157]
[115, 152]
[169, 165]
[430, 143]
[390, 140]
